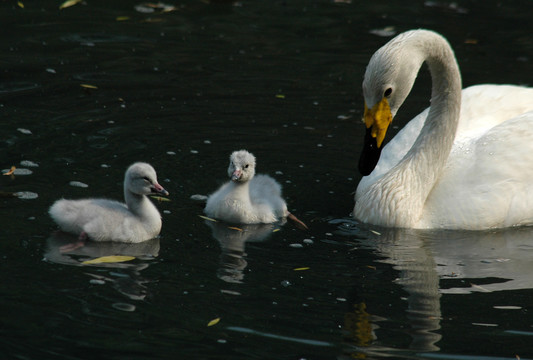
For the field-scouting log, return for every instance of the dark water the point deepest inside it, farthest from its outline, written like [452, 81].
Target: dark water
[183, 89]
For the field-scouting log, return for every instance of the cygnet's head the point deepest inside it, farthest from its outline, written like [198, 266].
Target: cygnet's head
[141, 179]
[241, 166]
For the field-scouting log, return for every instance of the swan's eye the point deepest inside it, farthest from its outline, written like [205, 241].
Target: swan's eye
[147, 179]
[246, 166]
[387, 92]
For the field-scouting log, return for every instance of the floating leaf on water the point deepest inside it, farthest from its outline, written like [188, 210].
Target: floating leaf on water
[78, 184]
[24, 131]
[10, 171]
[375, 232]
[213, 322]
[89, 86]
[276, 230]
[371, 267]
[122, 18]
[280, 96]
[109, 259]
[235, 228]
[20, 4]
[207, 218]
[159, 198]
[26, 195]
[301, 268]
[69, 3]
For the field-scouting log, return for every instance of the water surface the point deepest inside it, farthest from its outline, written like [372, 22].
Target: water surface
[182, 90]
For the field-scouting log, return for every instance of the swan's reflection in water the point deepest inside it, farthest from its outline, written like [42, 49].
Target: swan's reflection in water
[232, 241]
[434, 263]
[61, 249]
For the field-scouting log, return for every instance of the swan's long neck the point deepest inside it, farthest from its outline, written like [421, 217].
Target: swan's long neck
[240, 190]
[405, 188]
[141, 206]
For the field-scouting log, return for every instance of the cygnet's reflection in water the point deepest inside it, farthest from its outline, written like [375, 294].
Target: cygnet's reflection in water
[232, 239]
[61, 249]
[437, 262]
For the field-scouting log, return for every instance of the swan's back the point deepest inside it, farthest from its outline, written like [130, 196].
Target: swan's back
[266, 192]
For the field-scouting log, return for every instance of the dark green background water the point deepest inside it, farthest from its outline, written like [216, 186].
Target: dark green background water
[182, 90]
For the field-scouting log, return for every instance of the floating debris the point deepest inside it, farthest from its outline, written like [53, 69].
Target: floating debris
[199, 197]
[384, 32]
[507, 307]
[230, 292]
[295, 245]
[124, 307]
[213, 322]
[89, 86]
[29, 163]
[207, 218]
[159, 198]
[69, 3]
[235, 228]
[108, 259]
[24, 131]
[10, 171]
[78, 184]
[301, 268]
[26, 195]
[17, 171]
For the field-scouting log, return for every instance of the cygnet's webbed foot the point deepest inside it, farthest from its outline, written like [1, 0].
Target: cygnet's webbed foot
[297, 222]
[76, 244]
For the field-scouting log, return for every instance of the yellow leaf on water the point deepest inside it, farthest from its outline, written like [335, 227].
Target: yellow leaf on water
[20, 4]
[69, 3]
[213, 322]
[235, 228]
[11, 171]
[160, 198]
[109, 259]
[276, 230]
[280, 96]
[301, 268]
[207, 218]
[122, 18]
[88, 86]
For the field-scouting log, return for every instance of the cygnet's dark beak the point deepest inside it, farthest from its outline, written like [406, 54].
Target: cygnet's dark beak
[158, 189]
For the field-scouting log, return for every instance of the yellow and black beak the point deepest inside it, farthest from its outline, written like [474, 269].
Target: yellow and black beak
[377, 120]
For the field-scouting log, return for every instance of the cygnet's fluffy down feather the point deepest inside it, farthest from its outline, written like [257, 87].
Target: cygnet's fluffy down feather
[247, 199]
[108, 220]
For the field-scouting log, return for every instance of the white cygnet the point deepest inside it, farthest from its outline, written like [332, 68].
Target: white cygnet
[107, 220]
[247, 199]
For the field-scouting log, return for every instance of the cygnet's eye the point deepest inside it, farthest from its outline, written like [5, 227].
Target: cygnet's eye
[246, 166]
[387, 92]
[147, 179]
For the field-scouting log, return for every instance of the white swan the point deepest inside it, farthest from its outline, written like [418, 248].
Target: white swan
[464, 163]
[247, 198]
[108, 220]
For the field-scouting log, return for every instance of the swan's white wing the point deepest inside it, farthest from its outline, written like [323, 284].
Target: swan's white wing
[265, 194]
[488, 178]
